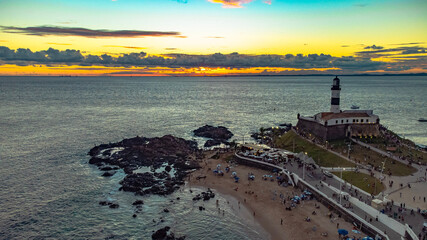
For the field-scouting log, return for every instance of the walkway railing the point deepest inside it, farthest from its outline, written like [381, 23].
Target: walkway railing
[267, 164]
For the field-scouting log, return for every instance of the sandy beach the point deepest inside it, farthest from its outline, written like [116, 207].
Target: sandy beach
[263, 199]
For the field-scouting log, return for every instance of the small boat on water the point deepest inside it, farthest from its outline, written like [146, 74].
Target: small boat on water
[422, 120]
[354, 107]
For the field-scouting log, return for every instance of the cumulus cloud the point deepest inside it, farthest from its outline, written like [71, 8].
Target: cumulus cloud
[374, 47]
[23, 56]
[231, 3]
[85, 32]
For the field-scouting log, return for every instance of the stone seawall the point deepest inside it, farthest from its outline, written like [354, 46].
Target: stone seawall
[323, 132]
[337, 131]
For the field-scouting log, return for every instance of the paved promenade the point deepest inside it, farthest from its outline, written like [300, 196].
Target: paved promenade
[315, 177]
[399, 192]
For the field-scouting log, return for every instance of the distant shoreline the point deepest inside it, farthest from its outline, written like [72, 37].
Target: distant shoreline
[240, 75]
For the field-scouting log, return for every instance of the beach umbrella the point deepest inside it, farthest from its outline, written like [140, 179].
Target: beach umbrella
[355, 231]
[342, 232]
[367, 238]
[234, 173]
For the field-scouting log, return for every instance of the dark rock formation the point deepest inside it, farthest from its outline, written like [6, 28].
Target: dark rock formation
[114, 205]
[109, 173]
[215, 142]
[134, 153]
[138, 202]
[162, 234]
[204, 195]
[108, 168]
[219, 133]
[110, 204]
[103, 203]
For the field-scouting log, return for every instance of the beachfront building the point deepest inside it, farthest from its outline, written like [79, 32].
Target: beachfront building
[338, 124]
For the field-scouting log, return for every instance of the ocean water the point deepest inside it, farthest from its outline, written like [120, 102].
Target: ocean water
[48, 124]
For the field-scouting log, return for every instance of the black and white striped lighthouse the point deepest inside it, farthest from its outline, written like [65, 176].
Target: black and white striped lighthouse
[335, 95]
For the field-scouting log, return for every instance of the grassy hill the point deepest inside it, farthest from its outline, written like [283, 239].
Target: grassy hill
[321, 156]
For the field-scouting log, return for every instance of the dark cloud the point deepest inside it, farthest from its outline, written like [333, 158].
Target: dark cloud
[411, 43]
[413, 51]
[130, 47]
[345, 46]
[171, 49]
[214, 37]
[89, 33]
[374, 47]
[233, 60]
[392, 52]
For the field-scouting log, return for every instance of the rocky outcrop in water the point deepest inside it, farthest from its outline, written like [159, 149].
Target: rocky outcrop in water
[109, 204]
[167, 152]
[219, 133]
[204, 195]
[215, 142]
[164, 234]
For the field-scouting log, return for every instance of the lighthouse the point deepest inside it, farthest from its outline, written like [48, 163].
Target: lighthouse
[335, 95]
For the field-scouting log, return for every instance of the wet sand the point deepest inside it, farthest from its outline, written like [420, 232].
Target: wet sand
[262, 198]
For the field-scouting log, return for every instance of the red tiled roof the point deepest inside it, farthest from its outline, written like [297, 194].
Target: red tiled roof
[331, 115]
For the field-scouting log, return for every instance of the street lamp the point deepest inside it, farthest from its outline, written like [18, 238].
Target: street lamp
[340, 184]
[303, 166]
[349, 148]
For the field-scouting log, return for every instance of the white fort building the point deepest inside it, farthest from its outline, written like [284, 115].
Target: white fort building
[338, 124]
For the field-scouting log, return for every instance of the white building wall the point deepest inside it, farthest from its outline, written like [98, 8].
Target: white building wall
[358, 120]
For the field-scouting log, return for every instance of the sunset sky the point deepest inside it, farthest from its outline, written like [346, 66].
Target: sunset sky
[212, 37]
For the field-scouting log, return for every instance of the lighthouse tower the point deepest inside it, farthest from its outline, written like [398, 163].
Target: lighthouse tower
[335, 95]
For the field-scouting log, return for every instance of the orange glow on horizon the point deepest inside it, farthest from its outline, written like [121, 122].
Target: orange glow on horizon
[65, 70]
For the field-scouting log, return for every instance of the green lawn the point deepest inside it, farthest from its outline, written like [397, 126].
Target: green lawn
[402, 151]
[362, 181]
[365, 156]
[321, 156]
